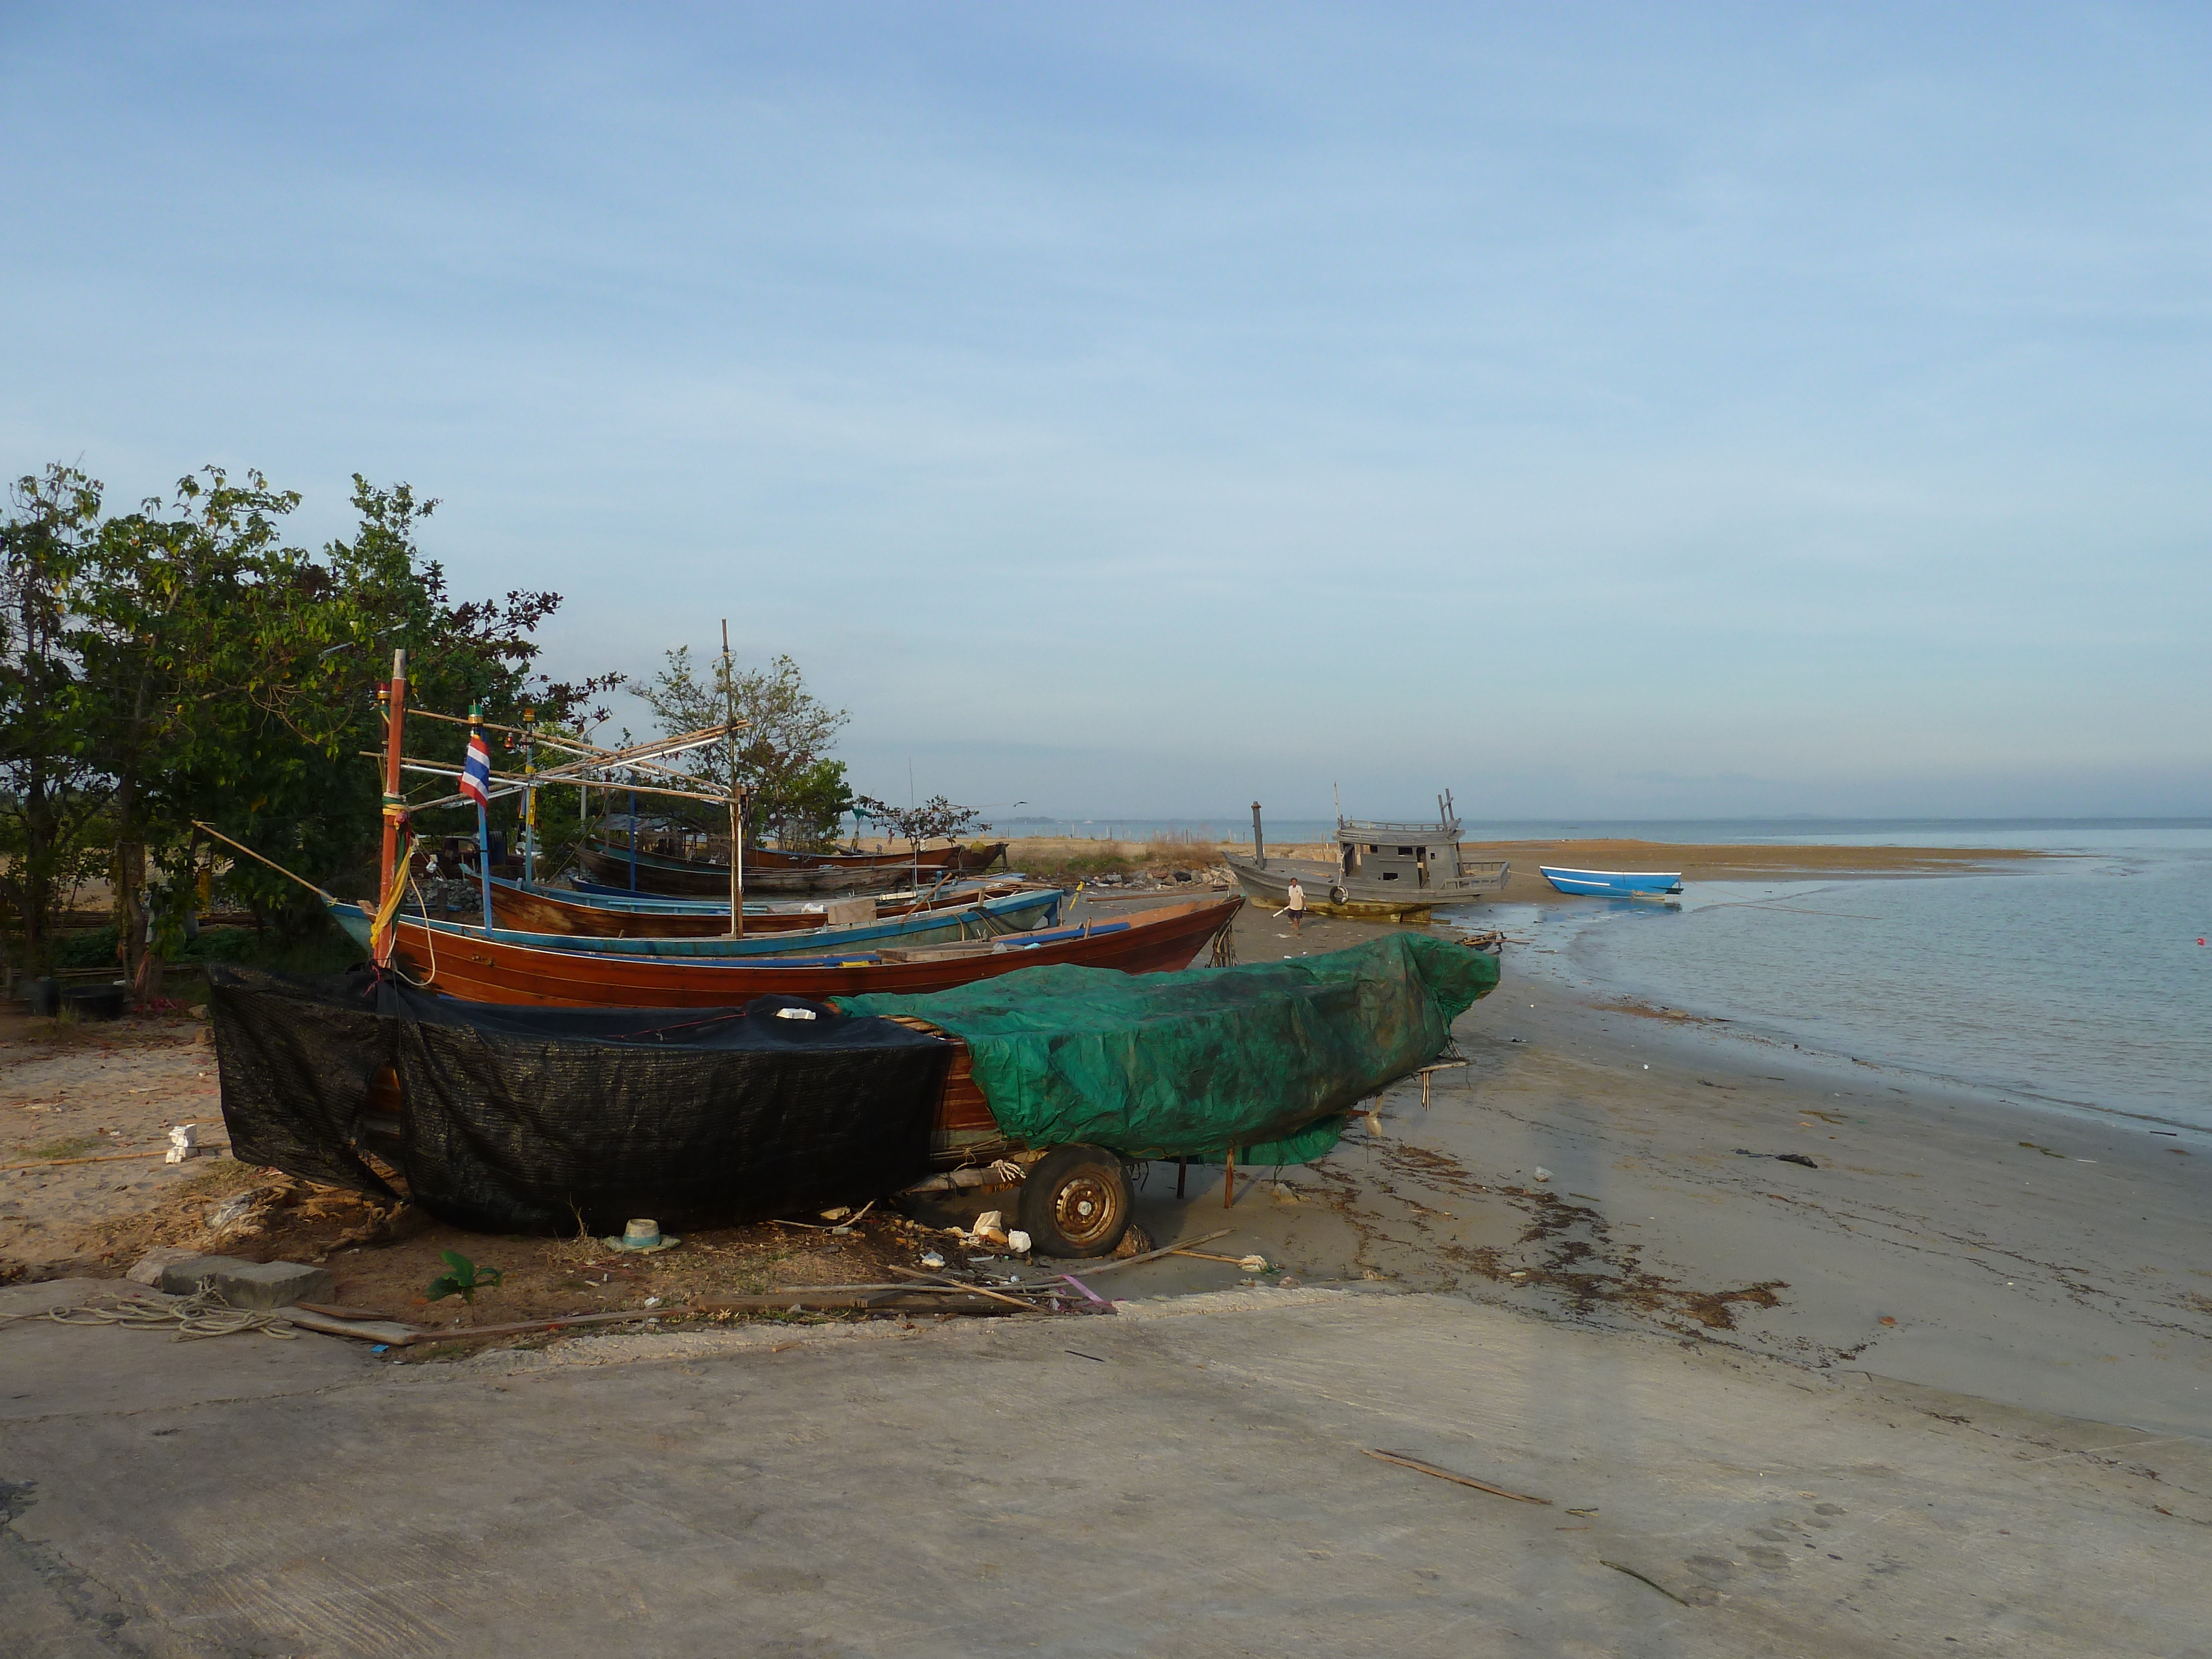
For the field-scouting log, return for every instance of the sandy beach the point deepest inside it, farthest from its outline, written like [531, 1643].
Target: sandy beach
[1944, 1386]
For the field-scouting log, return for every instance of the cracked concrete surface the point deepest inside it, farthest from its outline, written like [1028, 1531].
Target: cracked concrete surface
[1191, 1480]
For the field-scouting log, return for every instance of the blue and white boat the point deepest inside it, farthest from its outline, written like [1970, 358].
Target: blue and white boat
[1614, 884]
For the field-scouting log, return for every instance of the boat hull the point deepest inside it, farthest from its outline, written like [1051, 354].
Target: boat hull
[680, 876]
[525, 910]
[1614, 884]
[1016, 914]
[1327, 894]
[475, 969]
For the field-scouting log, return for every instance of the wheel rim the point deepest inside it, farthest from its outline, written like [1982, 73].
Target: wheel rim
[1084, 1208]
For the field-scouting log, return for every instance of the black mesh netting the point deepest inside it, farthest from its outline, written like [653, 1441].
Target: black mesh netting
[528, 1120]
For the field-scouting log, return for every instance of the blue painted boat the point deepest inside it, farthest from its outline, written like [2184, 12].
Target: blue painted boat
[1614, 884]
[1015, 914]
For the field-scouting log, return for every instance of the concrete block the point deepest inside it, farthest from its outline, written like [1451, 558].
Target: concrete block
[154, 1261]
[250, 1284]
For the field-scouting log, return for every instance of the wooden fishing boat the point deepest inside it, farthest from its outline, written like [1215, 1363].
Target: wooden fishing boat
[541, 910]
[1614, 884]
[970, 861]
[1015, 913]
[1382, 871]
[466, 964]
[655, 874]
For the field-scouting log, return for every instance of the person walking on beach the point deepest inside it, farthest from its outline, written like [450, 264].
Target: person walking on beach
[1297, 904]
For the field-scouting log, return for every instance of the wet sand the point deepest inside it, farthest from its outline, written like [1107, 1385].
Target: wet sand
[2057, 1263]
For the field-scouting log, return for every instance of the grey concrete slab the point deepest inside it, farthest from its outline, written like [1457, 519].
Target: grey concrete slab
[1188, 1479]
[244, 1283]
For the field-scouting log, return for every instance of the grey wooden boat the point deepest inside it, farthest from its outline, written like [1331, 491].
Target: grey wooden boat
[1383, 872]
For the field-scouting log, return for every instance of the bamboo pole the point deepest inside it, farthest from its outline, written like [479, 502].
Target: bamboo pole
[395, 805]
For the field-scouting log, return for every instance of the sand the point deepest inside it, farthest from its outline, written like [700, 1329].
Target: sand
[2052, 1262]
[2070, 1274]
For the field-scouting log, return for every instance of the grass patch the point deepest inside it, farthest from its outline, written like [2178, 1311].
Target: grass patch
[70, 1146]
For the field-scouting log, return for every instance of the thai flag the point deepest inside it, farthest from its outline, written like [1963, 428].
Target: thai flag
[476, 771]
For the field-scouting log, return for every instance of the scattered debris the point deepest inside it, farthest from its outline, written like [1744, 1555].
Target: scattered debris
[1780, 1157]
[1406, 1459]
[1642, 1578]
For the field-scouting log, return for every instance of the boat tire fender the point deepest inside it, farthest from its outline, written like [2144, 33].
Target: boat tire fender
[1336, 896]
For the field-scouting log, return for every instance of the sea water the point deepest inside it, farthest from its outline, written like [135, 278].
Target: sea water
[2077, 980]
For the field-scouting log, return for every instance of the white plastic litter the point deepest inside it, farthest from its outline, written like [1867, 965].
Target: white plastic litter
[1542, 1174]
[184, 1143]
[931, 1259]
[1254, 1264]
[796, 1013]
[1018, 1241]
[991, 1221]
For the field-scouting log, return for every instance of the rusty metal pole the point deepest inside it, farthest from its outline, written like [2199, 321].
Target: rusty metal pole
[1259, 846]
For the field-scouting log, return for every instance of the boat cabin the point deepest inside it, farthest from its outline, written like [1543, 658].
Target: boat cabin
[1414, 854]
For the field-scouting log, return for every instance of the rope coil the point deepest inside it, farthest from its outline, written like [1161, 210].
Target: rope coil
[203, 1314]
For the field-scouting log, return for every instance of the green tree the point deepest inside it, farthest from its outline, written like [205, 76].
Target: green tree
[52, 783]
[222, 675]
[796, 793]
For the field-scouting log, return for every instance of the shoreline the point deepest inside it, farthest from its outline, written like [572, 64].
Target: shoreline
[1584, 978]
[1946, 1240]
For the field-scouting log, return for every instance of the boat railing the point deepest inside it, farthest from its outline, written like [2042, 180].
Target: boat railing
[1376, 829]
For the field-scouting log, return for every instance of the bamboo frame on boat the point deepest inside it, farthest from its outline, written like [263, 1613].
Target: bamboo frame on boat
[574, 773]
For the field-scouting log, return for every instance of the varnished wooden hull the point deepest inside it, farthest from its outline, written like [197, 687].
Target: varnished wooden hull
[541, 913]
[684, 877]
[478, 970]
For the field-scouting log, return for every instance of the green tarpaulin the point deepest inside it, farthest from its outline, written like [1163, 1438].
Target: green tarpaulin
[1264, 1059]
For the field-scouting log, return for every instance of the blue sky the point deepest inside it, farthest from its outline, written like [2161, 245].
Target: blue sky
[1637, 410]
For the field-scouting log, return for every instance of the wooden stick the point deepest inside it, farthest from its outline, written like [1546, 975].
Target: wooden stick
[1208, 1256]
[105, 1158]
[1152, 1255]
[271, 863]
[1642, 1577]
[938, 1282]
[1404, 1462]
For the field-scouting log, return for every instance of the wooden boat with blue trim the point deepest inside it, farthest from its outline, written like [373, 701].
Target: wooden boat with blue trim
[464, 964]
[1013, 914]
[533, 909]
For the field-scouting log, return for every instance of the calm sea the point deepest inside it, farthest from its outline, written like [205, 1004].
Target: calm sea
[2075, 981]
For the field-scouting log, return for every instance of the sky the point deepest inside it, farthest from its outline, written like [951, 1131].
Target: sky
[1647, 411]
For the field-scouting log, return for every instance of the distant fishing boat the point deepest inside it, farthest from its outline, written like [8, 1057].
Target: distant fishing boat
[1382, 871]
[1614, 884]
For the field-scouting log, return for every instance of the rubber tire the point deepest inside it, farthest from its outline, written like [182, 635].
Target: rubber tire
[1336, 896]
[1083, 1187]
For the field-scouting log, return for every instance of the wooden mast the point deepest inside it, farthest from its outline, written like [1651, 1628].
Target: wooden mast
[737, 795]
[395, 803]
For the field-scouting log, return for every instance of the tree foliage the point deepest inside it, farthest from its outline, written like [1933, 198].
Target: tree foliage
[183, 662]
[917, 824]
[795, 791]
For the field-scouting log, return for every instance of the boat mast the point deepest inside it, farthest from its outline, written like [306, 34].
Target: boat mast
[737, 795]
[395, 805]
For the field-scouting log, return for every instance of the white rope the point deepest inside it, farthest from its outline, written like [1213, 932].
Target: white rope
[203, 1314]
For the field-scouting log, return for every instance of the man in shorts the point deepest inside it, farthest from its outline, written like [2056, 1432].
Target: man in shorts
[1297, 904]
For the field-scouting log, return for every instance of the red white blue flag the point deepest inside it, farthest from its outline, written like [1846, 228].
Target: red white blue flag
[476, 771]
